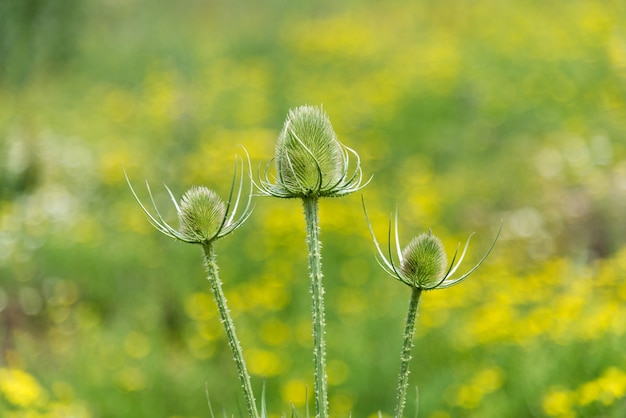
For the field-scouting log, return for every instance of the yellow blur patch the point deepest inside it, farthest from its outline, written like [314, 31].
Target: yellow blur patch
[264, 363]
[21, 389]
[296, 391]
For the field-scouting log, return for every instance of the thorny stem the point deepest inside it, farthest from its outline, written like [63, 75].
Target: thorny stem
[317, 293]
[229, 327]
[405, 356]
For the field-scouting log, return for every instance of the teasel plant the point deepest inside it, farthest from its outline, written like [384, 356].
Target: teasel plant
[422, 265]
[204, 218]
[311, 163]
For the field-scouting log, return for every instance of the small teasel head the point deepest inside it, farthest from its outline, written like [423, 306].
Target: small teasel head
[201, 213]
[424, 260]
[310, 161]
[203, 216]
[422, 263]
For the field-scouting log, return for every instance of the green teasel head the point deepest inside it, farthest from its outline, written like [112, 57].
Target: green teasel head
[203, 216]
[422, 264]
[309, 159]
[424, 260]
[201, 213]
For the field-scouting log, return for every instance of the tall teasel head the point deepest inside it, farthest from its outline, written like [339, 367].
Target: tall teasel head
[423, 262]
[310, 161]
[203, 216]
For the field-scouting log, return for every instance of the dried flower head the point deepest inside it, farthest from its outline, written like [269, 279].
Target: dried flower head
[423, 263]
[310, 161]
[203, 216]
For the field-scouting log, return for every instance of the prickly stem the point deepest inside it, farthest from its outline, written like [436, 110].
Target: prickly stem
[405, 355]
[229, 327]
[317, 293]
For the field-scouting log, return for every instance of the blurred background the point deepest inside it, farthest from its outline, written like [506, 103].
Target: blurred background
[465, 113]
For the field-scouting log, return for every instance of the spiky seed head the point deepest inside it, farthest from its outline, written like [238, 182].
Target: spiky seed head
[201, 213]
[309, 157]
[424, 261]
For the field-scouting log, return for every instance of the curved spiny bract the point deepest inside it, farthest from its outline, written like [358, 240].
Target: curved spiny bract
[396, 265]
[203, 216]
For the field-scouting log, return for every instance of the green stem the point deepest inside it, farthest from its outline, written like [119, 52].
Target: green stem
[405, 356]
[229, 327]
[317, 293]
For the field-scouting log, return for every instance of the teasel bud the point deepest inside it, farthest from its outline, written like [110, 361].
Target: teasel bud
[308, 154]
[310, 161]
[424, 261]
[201, 214]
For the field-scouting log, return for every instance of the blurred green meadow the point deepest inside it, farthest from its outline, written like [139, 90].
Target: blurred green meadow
[465, 113]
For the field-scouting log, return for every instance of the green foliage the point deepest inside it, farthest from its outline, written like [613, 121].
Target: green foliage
[37, 35]
[466, 113]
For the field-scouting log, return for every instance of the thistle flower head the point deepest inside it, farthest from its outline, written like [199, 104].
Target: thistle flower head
[203, 216]
[422, 263]
[310, 161]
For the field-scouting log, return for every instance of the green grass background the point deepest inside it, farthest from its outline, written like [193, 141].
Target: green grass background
[465, 113]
